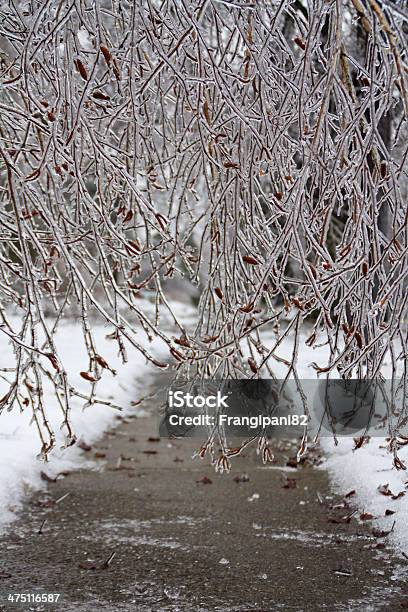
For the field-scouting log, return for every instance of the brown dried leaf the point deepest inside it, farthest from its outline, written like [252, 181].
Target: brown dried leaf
[176, 354]
[297, 303]
[209, 339]
[300, 43]
[54, 361]
[106, 54]
[182, 341]
[250, 260]
[384, 489]
[219, 293]
[128, 217]
[162, 221]
[99, 95]
[134, 245]
[252, 365]
[231, 164]
[206, 112]
[88, 376]
[359, 339]
[247, 307]
[84, 446]
[81, 69]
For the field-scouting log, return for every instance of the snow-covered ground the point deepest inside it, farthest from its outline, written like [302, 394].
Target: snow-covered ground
[370, 473]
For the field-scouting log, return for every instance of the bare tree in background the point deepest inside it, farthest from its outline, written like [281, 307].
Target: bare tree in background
[240, 145]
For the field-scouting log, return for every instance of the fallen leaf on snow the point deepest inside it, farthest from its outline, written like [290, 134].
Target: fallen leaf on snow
[384, 489]
[84, 446]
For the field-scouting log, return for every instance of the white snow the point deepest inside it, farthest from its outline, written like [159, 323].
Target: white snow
[84, 40]
[364, 470]
[20, 467]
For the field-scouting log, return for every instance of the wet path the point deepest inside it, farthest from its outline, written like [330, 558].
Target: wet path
[271, 541]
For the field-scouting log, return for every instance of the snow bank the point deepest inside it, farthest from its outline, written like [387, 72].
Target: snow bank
[20, 467]
[367, 471]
